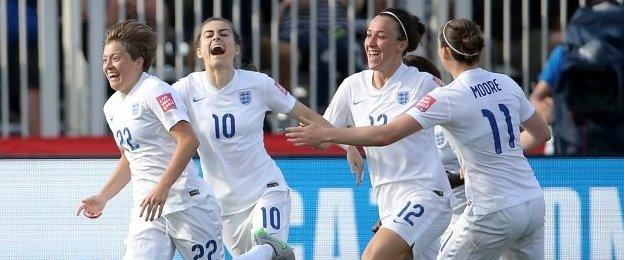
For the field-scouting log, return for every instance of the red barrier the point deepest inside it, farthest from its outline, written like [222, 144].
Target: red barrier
[98, 147]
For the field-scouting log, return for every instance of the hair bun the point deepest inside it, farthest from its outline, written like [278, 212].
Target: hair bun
[421, 28]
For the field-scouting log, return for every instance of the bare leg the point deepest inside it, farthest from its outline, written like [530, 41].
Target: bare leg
[386, 245]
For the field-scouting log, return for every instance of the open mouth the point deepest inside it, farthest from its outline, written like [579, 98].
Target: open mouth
[217, 49]
[373, 52]
[113, 76]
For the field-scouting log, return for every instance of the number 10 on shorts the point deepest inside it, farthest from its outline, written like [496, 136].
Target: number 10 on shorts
[272, 217]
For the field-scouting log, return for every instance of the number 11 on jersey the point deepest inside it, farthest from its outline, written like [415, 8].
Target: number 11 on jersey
[492, 119]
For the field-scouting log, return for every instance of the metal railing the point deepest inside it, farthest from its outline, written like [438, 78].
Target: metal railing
[84, 89]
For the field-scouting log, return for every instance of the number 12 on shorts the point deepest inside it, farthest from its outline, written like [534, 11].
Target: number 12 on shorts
[415, 210]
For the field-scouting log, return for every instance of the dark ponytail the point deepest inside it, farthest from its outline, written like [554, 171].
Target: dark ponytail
[406, 24]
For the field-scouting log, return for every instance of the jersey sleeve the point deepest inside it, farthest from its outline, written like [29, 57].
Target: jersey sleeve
[338, 113]
[167, 105]
[278, 98]
[432, 109]
[181, 87]
[107, 113]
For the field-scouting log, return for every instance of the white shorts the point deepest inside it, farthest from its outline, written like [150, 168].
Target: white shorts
[513, 233]
[271, 212]
[461, 202]
[419, 217]
[194, 232]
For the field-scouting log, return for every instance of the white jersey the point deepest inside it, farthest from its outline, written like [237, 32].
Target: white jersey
[445, 151]
[358, 103]
[482, 111]
[229, 124]
[140, 122]
[452, 165]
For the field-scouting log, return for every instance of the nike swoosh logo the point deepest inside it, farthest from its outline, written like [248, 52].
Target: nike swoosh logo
[394, 220]
[198, 99]
[357, 102]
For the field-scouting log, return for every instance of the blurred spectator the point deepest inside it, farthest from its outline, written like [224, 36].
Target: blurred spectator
[322, 40]
[14, 69]
[580, 89]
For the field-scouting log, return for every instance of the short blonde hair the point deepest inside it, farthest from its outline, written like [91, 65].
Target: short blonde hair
[138, 39]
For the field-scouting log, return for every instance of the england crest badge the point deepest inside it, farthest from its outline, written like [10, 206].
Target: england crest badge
[245, 97]
[135, 110]
[403, 97]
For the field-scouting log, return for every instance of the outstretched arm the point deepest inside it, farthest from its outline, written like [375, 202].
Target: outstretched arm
[301, 112]
[306, 115]
[383, 135]
[92, 206]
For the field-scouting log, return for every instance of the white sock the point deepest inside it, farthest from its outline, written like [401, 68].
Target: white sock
[258, 252]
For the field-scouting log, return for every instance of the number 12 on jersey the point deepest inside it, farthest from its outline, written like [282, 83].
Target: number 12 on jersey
[492, 119]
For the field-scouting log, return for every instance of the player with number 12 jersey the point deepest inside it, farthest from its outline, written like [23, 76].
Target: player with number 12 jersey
[408, 171]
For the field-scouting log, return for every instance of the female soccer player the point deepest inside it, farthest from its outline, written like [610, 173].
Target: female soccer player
[173, 208]
[410, 186]
[483, 112]
[227, 107]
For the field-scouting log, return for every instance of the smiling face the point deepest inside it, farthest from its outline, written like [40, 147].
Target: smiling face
[121, 71]
[217, 46]
[382, 47]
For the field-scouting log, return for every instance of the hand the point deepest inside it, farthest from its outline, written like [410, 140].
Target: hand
[310, 134]
[92, 207]
[323, 146]
[356, 163]
[154, 202]
[545, 109]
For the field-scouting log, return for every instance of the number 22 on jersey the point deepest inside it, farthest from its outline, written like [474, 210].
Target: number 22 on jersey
[125, 140]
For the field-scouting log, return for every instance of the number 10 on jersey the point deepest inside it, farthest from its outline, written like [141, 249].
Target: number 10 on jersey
[225, 125]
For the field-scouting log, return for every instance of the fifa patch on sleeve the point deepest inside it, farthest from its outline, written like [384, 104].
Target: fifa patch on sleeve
[282, 89]
[425, 103]
[166, 102]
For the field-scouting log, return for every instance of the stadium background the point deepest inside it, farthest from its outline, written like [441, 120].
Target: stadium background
[331, 217]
